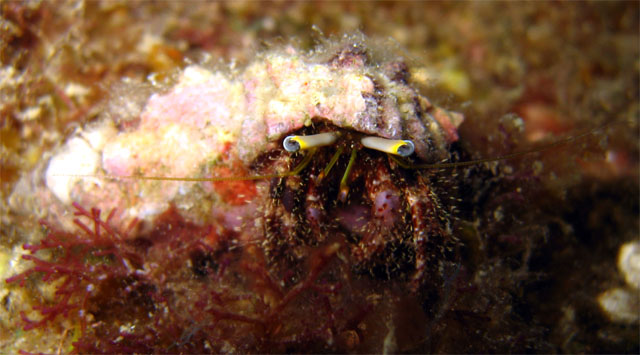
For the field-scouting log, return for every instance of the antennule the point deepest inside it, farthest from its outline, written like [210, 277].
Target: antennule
[400, 147]
[296, 143]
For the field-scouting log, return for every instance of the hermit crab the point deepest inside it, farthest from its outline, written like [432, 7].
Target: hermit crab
[295, 160]
[297, 148]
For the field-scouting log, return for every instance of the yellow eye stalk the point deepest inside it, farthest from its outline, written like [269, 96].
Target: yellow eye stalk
[296, 143]
[403, 148]
[400, 147]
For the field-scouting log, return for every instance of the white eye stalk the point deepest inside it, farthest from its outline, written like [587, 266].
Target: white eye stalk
[400, 147]
[296, 143]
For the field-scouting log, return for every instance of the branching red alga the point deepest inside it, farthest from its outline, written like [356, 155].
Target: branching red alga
[183, 287]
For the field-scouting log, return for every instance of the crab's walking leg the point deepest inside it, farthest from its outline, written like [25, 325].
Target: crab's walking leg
[282, 214]
[427, 232]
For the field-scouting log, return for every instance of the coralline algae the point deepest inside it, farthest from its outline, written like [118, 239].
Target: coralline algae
[212, 123]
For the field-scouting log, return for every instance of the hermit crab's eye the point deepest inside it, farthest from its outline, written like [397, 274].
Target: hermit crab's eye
[296, 143]
[400, 147]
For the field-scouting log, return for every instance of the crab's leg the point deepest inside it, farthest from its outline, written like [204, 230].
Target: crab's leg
[428, 235]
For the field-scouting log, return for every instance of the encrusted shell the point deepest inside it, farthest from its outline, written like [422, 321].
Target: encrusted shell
[210, 115]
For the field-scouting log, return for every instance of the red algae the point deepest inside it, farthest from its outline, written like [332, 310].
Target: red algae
[167, 290]
[233, 192]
